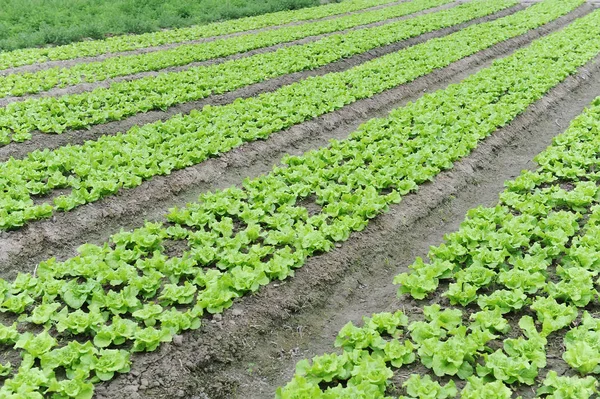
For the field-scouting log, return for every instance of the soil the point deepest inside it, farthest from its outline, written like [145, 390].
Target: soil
[60, 236]
[51, 141]
[67, 63]
[80, 88]
[253, 347]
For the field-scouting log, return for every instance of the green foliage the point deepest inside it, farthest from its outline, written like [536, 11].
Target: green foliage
[583, 346]
[148, 339]
[128, 295]
[540, 229]
[503, 300]
[9, 334]
[74, 357]
[18, 84]
[425, 388]
[567, 387]
[36, 345]
[109, 362]
[127, 98]
[36, 23]
[553, 315]
[5, 369]
[576, 286]
[187, 140]
[369, 336]
[476, 388]
[423, 279]
[491, 320]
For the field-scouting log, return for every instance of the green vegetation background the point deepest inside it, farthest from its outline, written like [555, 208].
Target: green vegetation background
[31, 23]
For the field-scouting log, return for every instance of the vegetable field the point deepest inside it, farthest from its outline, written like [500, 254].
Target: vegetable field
[364, 199]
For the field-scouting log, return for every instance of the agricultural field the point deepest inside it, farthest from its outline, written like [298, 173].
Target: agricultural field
[362, 199]
[31, 23]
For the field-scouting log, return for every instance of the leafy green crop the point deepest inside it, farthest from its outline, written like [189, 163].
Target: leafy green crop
[533, 258]
[521, 359]
[477, 388]
[124, 161]
[567, 387]
[127, 295]
[132, 42]
[18, 84]
[583, 346]
[426, 388]
[123, 99]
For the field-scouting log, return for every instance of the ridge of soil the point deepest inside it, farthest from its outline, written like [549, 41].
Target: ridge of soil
[21, 250]
[252, 348]
[73, 61]
[74, 137]
[84, 87]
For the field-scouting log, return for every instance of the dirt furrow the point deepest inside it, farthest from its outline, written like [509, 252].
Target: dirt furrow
[253, 347]
[21, 250]
[71, 62]
[51, 141]
[80, 88]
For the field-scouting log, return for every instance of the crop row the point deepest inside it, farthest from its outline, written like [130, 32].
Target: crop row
[123, 99]
[129, 295]
[449, 343]
[132, 42]
[125, 160]
[19, 84]
[536, 252]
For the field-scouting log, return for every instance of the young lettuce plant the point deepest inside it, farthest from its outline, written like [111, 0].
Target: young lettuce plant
[148, 339]
[576, 286]
[328, 367]
[455, 356]
[351, 337]
[418, 387]
[556, 387]
[110, 361]
[5, 369]
[9, 334]
[36, 345]
[553, 315]
[477, 388]
[75, 358]
[504, 300]
[521, 359]
[79, 322]
[119, 331]
[583, 346]
[424, 278]
[491, 320]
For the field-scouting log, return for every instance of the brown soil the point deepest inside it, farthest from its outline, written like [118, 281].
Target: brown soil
[51, 141]
[253, 347]
[80, 88]
[67, 63]
[61, 235]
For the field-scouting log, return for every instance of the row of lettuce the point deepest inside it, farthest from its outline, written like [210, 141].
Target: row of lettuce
[126, 160]
[124, 99]
[86, 314]
[115, 44]
[18, 84]
[453, 346]
[535, 253]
